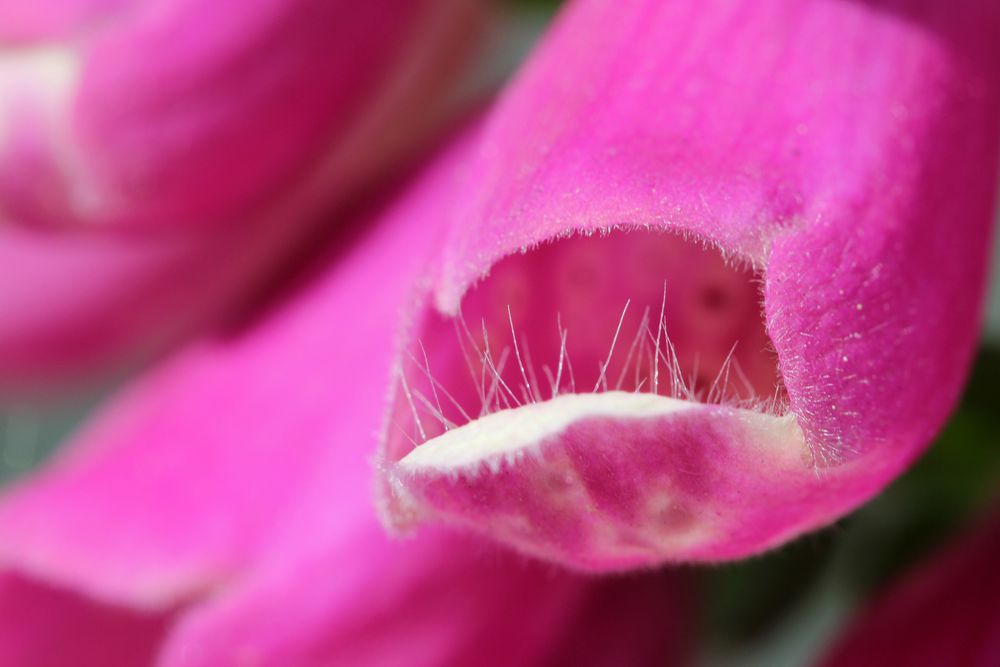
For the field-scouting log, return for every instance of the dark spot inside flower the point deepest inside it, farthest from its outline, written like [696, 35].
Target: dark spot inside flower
[715, 298]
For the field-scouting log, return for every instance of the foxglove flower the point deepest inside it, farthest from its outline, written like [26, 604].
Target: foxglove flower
[944, 613]
[712, 278]
[156, 158]
[220, 510]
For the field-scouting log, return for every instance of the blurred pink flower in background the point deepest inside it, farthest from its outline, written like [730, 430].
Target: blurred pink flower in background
[704, 277]
[158, 159]
[947, 612]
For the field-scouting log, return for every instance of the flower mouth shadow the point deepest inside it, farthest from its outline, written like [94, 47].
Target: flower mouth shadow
[640, 311]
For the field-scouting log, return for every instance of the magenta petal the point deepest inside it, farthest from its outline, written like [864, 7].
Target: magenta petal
[174, 114]
[619, 480]
[75, 301]
[82, 305]
[945, 613]
[79, 302]
[436, 601]
[651, 114]
[48, 627]
[236, 446]
[658, 176]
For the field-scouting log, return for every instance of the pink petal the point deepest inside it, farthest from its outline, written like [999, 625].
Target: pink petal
[945, 613]
[37, 21]
[185, 114]
[436, 601]
[76, 303]
[239, 444]
[48, 627]
[840, 154]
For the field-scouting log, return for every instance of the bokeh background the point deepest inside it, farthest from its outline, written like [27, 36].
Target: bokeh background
[779, 609]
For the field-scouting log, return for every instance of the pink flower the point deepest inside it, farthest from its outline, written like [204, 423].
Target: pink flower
[158, 158]
[219, 511]
[707, 276]
[712, 278]
[944, 613]
[180, 114]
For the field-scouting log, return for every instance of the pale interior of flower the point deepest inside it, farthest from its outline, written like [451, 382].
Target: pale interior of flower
[575, 371]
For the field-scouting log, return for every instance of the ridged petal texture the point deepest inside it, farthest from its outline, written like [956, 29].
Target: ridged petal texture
[713, 278]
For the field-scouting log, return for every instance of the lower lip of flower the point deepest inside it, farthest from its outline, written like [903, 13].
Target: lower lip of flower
[605, 402]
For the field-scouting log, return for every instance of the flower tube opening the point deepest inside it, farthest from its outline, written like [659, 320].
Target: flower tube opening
[604, 401]
[639, 311]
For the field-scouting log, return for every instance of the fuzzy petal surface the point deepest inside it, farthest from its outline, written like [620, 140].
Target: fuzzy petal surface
[810, 187]
[619, 479]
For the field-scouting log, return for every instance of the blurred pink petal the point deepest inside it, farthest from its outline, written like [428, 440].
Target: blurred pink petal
[226, 124]
[239, 475]
[190, 474]
[435, 601]
[48, 627]
[27, 22]
[77, 301]
[178, 114]
[792, 205]
[945, 613]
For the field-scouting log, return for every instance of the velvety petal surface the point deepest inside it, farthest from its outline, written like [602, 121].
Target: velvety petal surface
[945, 613]
[753, 235]
[41, 626]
